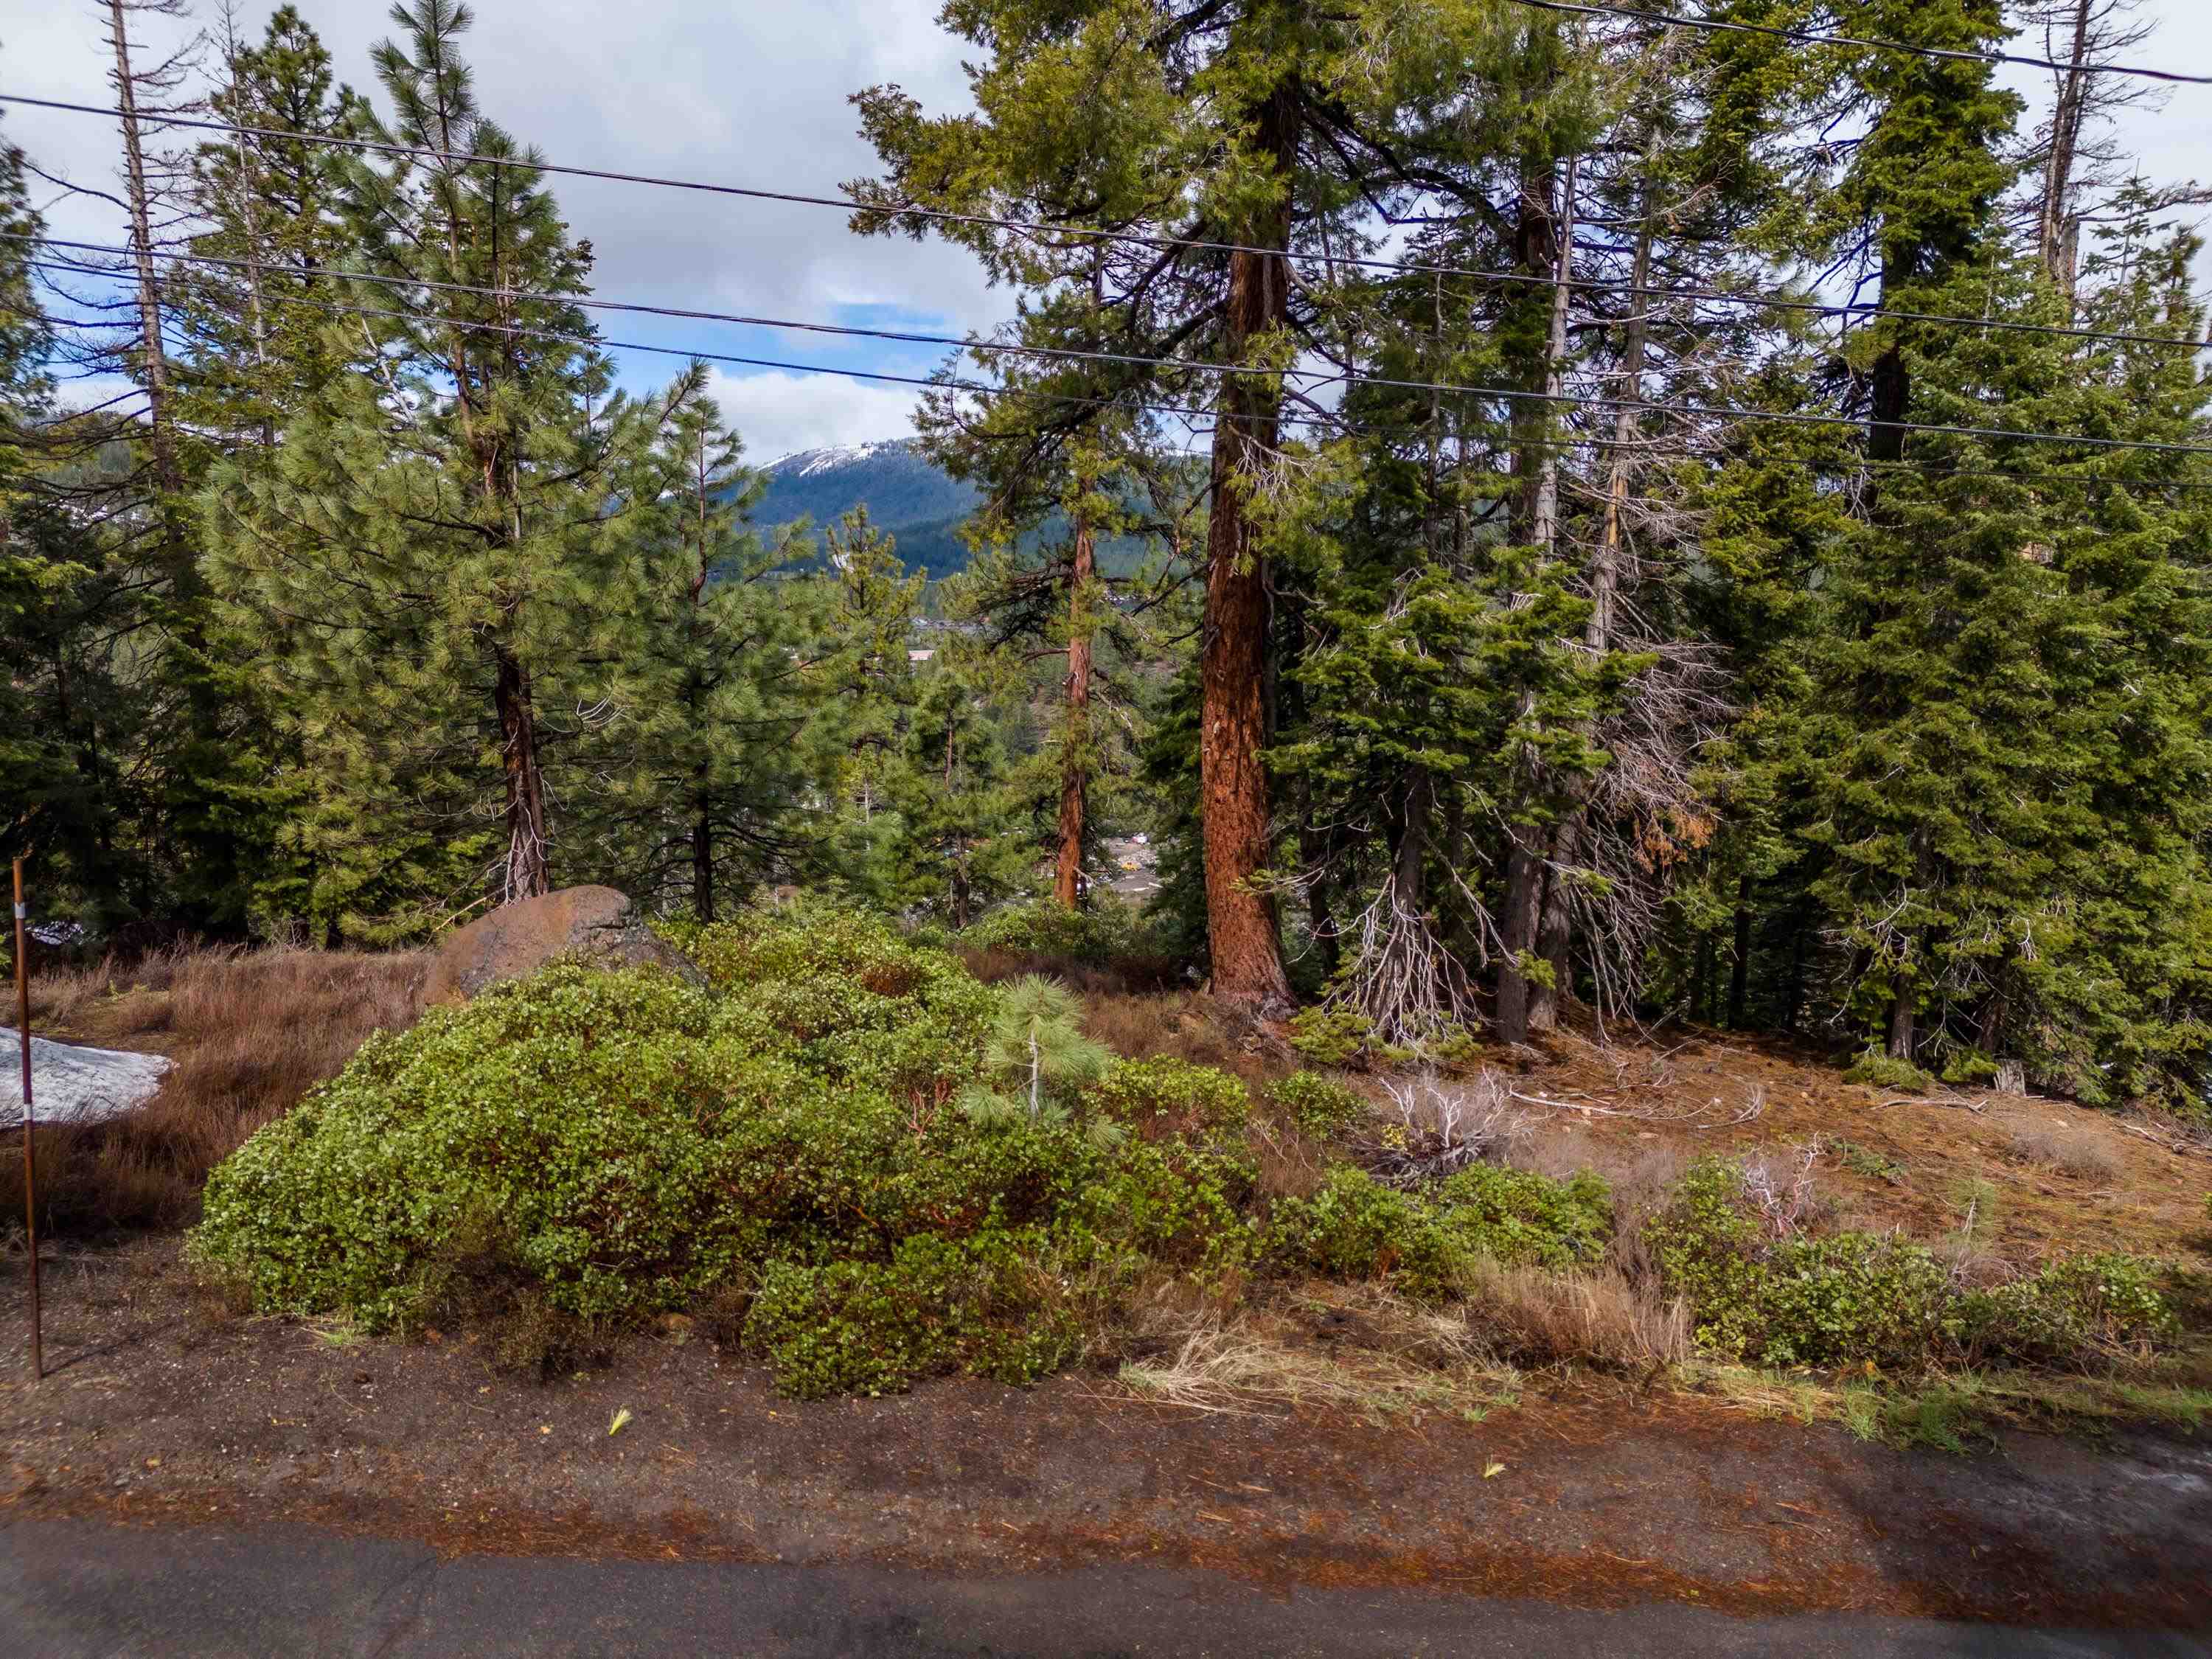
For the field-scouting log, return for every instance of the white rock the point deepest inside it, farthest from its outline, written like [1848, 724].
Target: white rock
[70, 1084]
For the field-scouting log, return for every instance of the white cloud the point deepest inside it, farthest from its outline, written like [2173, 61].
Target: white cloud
[752, 95]
[779, 414]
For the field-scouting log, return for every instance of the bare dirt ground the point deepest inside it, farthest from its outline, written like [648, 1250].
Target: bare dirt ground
[162, 1411]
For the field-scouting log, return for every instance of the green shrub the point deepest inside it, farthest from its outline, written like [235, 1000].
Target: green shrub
[587, 1148]
[1518, 1217]
[985, 1305]
[1169, 1202]
[1332, 1037]
[2092, 1305]
[1970, 1066]
[1880, 1071]
[1166, 1098]
[1357, 1228]
[1107, 930]
[1854, 1297]
[1859, 1297]
[1320, 1105]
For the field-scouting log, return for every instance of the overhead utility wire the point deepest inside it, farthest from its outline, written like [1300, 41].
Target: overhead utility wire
[1814, 38]
[1933, 469]
[1071, 354]
[1937, 471]
[1930, 470]
[1410, 267]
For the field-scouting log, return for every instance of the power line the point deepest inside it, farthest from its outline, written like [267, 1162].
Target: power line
[1071, 354]
[1845, 311]
[1814, 38]
[1933, 469]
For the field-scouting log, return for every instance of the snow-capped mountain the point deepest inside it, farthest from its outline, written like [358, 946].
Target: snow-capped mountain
[906, 497]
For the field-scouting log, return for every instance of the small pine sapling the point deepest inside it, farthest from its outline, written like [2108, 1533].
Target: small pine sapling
[1037, 1058]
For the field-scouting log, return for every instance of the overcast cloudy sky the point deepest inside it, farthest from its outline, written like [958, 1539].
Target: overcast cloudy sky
[748, 92]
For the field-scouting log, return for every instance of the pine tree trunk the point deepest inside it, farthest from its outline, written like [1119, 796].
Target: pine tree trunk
[1524, 868]
[1740, 969]
[1891, 389]
[1518, 928]
[1795, 1002]
[1241, 927]
[528, 874]
[153, 354]
[1900, 1022]
[1555, 934]
[1555, 931]
[1075, 758]
[248, 203]
[703, 860]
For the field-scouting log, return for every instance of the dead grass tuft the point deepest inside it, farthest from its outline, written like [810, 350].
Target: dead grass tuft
[1534, 1315]
[1258, 1364]
[2065, 1150]
[252, 1031]
[108, 1001]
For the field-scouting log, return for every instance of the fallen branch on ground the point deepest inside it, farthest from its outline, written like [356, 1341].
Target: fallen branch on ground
[1694, 1118]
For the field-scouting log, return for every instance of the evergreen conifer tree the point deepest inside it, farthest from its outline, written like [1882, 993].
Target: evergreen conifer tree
[423, 564]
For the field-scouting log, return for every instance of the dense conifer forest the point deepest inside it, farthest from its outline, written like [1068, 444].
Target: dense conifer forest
[1687, 522]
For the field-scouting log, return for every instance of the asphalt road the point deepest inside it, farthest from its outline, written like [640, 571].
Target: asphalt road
[81, 1588]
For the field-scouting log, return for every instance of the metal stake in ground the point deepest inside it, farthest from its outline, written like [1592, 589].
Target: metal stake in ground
[30, 1157]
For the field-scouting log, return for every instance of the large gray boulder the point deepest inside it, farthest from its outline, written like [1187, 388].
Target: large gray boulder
[595, 923]
[71, 1084]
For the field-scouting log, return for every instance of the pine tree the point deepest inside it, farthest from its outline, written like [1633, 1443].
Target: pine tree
[424, 562]
[962, 833]
[1054, 491]
[719, 735]
[257, 333]
[1266, 123]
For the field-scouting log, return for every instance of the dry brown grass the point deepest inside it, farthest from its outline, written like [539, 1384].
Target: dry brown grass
[1124, 977]
[109, 1000]
[1534, 1315]
[2067, 1152]
[250, 1032]
[1184, 1025]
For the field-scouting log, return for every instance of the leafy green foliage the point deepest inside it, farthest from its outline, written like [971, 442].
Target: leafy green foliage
[1864, 1297]
[1332, 1035]
[2092, 1304]
[608, 1145]
[1037, 1057]
[1357, 1228]
[1166, 1098]
[1095, 935]
[988, 1304]
[1318, 1104]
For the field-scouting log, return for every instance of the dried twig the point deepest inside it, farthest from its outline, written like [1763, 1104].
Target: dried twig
[1957, 1101]
[1694, 1117]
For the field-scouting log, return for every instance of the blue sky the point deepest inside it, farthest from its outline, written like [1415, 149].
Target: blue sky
[751, 93]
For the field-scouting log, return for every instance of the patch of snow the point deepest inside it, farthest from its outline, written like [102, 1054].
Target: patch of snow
[809, 462]
[70, 1084]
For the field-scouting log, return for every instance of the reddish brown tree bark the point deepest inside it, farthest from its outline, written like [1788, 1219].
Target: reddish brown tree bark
[1240, 926]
